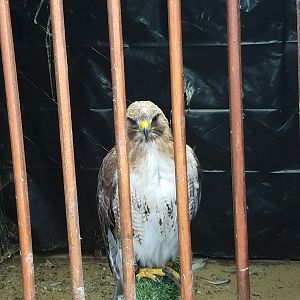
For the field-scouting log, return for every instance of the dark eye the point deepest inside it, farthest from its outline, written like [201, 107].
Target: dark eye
[132, 123]
[154, 119]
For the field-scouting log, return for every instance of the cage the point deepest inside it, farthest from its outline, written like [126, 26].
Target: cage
[271, 138]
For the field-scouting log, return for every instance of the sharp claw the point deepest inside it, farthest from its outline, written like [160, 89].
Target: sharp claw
[173, 275]
[150, 273]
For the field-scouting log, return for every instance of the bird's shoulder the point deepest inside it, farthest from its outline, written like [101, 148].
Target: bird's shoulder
[108, 169]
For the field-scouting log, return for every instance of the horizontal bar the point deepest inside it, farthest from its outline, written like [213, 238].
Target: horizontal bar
[178, 124]
[67, 150]
[237, 149]
[119, 103]
[17, 148]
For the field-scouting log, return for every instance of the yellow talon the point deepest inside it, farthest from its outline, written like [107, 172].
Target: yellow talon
[150, 273]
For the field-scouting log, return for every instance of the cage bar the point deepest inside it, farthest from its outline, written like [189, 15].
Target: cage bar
[17, 148]
[120, 124]
[237, 148]
[298, 43]
[178, 124]
[67, 151]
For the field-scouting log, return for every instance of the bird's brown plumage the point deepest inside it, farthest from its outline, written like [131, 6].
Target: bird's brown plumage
[152, 175]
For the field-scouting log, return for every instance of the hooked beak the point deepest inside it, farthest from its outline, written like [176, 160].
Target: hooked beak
[145, 128]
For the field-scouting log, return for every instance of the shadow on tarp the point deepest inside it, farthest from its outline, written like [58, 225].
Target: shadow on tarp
[269, 53]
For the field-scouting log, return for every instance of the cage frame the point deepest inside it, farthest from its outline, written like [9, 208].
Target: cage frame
[119, 104]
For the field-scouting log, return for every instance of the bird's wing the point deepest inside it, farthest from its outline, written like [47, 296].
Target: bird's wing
[194, 174]
[106, 194]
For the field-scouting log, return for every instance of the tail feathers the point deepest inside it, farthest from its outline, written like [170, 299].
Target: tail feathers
[115, 256]
[118, 292]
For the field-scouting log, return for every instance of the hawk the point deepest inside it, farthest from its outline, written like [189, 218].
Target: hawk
[153, 193]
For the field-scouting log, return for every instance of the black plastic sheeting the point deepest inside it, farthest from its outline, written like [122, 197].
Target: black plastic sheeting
[269, 52]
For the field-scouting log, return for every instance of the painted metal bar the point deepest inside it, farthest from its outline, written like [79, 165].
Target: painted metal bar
[178, 124]
[120, 122]
[67, 150]
[237, 148]
[298, 38]
[17, 148]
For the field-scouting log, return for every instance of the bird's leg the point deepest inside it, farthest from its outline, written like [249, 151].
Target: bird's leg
[150, 273]
[170, 264]
[171, 273]
[166, 271]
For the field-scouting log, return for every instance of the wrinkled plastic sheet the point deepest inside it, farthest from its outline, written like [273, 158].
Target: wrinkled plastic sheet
[271, 125]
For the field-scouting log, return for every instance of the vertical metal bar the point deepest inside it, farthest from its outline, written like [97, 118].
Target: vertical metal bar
[178, 122]
[17, 147]
[67, 151]
[237, 148]
[298, 38]
[119, 103]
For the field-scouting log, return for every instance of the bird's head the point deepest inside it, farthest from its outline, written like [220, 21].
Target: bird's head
[146, 122]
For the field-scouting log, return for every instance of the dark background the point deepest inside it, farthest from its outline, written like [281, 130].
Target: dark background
[270, 114]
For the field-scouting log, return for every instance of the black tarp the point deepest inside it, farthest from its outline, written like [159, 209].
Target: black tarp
[270, 114]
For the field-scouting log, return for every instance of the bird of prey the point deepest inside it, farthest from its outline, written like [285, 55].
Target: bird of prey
[153, 193]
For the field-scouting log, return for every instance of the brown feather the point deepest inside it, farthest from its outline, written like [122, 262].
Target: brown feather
[107, 196]
[106, 193]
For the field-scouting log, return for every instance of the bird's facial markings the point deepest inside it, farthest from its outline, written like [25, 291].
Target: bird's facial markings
[132, 123]
[158, 129]
[155, 119]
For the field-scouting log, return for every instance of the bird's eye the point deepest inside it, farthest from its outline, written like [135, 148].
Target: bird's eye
[155, 119]
[132, 122]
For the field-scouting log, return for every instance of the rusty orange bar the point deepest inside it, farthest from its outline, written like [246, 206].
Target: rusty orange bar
[67, 151]
[17, 147]
[119, 103]
[237, 149]
[178, 121]
[298, 38]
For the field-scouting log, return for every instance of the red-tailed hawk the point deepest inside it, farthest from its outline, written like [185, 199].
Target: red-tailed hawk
[153, 192]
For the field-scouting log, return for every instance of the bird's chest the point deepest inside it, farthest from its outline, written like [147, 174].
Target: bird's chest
[154, 212]
[153, 188]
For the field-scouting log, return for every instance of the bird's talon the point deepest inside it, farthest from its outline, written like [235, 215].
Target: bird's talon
[172, 274]
[150, 273]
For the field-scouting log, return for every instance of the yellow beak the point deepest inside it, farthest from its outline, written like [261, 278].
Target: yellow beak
[145, 127]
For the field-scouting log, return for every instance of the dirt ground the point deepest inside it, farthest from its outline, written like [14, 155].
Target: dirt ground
[216, 280]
